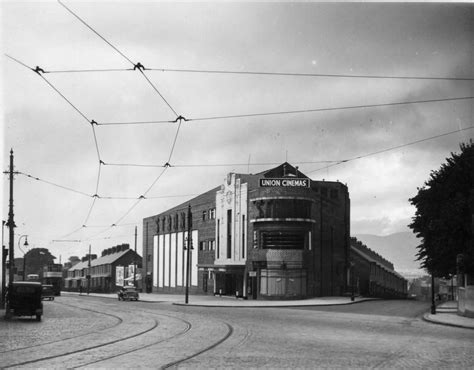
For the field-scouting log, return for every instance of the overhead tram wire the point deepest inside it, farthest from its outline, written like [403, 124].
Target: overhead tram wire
[393, 148]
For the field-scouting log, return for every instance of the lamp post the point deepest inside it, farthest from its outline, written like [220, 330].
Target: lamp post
[24, 254]
[188, 248]
[433, 304]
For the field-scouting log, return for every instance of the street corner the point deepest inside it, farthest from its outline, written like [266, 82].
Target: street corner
[449, 319]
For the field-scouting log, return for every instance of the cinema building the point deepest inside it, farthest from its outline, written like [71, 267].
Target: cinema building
[272, 235]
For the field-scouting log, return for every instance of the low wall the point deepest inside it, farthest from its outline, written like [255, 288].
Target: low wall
[466, 301]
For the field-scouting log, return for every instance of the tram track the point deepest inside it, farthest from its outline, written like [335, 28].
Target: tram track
[208, 348]
[168, 365]
[87, 348]
[119, 321]
[114, 349]
[123, 353]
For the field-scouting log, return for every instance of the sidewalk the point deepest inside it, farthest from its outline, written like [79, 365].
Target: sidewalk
[224, 301]
[446, 314]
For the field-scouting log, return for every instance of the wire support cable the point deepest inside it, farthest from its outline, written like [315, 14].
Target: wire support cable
[64, 97]
[90, 70]
[134, 205]
[90, 211]
[174, 144]
[137, 66]
[69, 234]
[97, 33]
[133, 123]
[330, 108]
[157, 91]
[265, 73]
[198, 165]
[294, 74]
[96, 145]
[155, 181]
[393, 148]
[54, 184]
[314, 110]
[40, 73]
[146, 198]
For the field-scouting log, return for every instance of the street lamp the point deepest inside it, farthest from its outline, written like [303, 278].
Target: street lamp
[24, 254]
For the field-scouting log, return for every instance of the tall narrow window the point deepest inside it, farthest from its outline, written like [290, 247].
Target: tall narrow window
[243, 236]
[229, 233]
[218, 236]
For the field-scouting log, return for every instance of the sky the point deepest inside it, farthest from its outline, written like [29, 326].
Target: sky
[53, 139]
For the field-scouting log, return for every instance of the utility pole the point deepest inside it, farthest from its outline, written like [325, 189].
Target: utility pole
[4, 260]
[134, 261]
[89, 272]
[189, 246]
[11, 223]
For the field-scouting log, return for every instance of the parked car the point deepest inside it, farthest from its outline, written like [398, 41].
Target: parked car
[24, 299]
[47, 292]
[128, 293]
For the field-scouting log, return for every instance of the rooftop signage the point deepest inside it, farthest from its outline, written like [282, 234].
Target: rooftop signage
[287, 182]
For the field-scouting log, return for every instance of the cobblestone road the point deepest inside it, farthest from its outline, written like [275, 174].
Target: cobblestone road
[104, 333]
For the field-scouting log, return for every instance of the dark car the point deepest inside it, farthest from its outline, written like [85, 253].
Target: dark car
[47, 292]
[128, 293]
[24, 299]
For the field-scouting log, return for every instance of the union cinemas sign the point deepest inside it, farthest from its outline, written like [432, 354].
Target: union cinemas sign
[288, 183]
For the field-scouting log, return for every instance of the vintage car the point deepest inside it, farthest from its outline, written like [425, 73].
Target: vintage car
[128, 293]
[24, 299]
[47, 292]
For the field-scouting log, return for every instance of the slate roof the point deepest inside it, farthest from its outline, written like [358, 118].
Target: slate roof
[104, 260]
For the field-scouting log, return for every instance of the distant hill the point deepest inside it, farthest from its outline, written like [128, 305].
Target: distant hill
[398, 248]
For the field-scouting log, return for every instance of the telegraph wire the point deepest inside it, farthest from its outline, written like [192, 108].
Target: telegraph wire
[98, 34]
[393, 148]
[330, 109]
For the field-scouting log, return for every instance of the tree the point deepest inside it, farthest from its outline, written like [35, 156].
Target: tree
[444, 219]
[36, 259]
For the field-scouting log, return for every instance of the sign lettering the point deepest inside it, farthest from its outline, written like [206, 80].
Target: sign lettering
[288, 183]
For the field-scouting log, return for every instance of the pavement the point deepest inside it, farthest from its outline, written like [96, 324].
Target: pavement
[446, 312]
